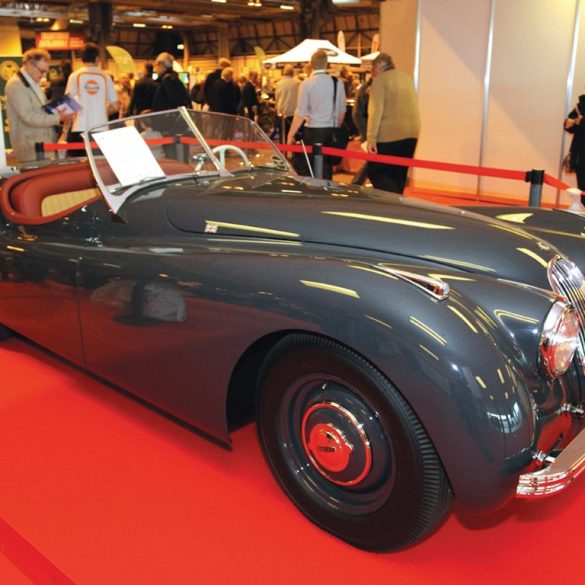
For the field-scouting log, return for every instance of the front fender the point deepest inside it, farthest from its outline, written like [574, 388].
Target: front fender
[469, 386]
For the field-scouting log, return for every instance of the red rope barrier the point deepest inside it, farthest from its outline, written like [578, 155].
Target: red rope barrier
[351, 154]
[556, 183]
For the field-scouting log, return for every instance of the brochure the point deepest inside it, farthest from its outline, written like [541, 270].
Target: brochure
[65, 105]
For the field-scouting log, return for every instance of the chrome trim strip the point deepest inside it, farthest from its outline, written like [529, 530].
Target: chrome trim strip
[432, 286]
[558, 476]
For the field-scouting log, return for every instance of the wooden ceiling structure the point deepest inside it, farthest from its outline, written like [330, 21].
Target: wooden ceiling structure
[146, 27]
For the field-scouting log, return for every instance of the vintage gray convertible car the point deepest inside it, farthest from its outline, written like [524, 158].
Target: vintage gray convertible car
[393, 353]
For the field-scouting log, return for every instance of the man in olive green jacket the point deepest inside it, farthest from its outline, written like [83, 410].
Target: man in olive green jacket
[393, 123]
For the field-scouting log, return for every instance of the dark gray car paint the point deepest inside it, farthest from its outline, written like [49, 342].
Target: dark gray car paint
[251, 258]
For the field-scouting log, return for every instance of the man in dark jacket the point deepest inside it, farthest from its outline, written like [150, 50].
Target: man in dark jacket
[250, 95]
[170, 92]
[213, 77]
[225, 94]
[143, 94]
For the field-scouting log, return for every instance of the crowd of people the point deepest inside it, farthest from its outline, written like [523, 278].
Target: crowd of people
[311, 106]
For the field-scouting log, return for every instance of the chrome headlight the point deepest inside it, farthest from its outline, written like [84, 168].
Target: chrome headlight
[559, 339]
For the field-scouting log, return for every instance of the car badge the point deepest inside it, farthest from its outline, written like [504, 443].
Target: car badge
[211, 228]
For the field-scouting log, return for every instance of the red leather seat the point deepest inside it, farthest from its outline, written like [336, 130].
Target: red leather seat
[28, 196]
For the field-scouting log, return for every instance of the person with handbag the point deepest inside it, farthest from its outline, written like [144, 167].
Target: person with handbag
[576, 158]
[321, 107]
[393, 123]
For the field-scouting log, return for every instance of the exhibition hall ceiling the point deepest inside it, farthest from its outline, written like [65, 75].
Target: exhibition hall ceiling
[61, 14]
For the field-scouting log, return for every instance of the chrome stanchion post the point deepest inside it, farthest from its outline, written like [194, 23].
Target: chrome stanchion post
[318, 160]
[181, 149]
[40, 150]
[536, 179]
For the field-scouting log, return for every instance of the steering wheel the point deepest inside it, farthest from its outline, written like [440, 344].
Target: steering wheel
[223, 148]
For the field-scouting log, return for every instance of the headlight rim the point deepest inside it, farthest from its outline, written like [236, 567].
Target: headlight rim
[561, 309]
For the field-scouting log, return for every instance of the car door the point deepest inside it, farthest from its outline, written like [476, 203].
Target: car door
[142, 316]
[38, 284]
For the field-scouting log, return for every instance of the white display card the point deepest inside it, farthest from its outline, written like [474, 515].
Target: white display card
[128, 155]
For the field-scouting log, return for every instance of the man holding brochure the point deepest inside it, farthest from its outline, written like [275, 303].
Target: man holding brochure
[29, 122]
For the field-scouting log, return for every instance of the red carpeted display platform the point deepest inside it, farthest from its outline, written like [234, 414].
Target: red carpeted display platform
[97, 489]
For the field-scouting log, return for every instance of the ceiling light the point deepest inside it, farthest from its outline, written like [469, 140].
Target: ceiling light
[286, 7]
[180, 46]
[75, 21]
[220, 1]
[167, 26]
[139, 25]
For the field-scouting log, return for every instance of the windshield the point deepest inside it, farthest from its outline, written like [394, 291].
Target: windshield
[161, 146]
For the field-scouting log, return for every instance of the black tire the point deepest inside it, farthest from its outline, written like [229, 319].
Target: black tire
[347, 448]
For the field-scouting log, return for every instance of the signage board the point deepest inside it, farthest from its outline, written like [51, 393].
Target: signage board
[61, 40]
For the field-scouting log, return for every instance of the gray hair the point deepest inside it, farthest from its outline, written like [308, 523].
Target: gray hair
[36, 55]
[384, 61]
[166, 60]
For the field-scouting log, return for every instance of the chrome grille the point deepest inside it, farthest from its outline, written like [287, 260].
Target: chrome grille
[567, 280]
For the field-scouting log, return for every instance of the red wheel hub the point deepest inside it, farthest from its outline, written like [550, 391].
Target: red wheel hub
[329, 447]
[336, 443]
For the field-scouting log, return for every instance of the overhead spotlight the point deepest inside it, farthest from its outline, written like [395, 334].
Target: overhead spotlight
[167, 26]
[180, 46]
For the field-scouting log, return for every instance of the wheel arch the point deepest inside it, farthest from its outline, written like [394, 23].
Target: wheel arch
[471, 394]
[471, 465]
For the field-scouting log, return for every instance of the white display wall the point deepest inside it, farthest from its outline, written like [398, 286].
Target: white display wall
[495, 79]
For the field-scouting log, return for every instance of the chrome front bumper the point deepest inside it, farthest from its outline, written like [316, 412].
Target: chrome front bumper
[569, 464]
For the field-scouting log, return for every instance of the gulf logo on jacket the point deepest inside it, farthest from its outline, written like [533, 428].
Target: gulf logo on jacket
[91, 86]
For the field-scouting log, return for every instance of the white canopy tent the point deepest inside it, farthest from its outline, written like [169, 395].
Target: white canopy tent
[370, 56]
[303, 51]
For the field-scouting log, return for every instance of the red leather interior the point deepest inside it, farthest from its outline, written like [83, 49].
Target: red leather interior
[28, 196]
[22, 195]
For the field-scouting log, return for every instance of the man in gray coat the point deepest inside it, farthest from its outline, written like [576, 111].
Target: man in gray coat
[28, 121]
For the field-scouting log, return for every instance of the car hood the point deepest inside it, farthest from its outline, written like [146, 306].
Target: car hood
[563, 228]
[308, 211]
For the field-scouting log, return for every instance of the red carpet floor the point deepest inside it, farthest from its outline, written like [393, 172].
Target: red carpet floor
[96, 489]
